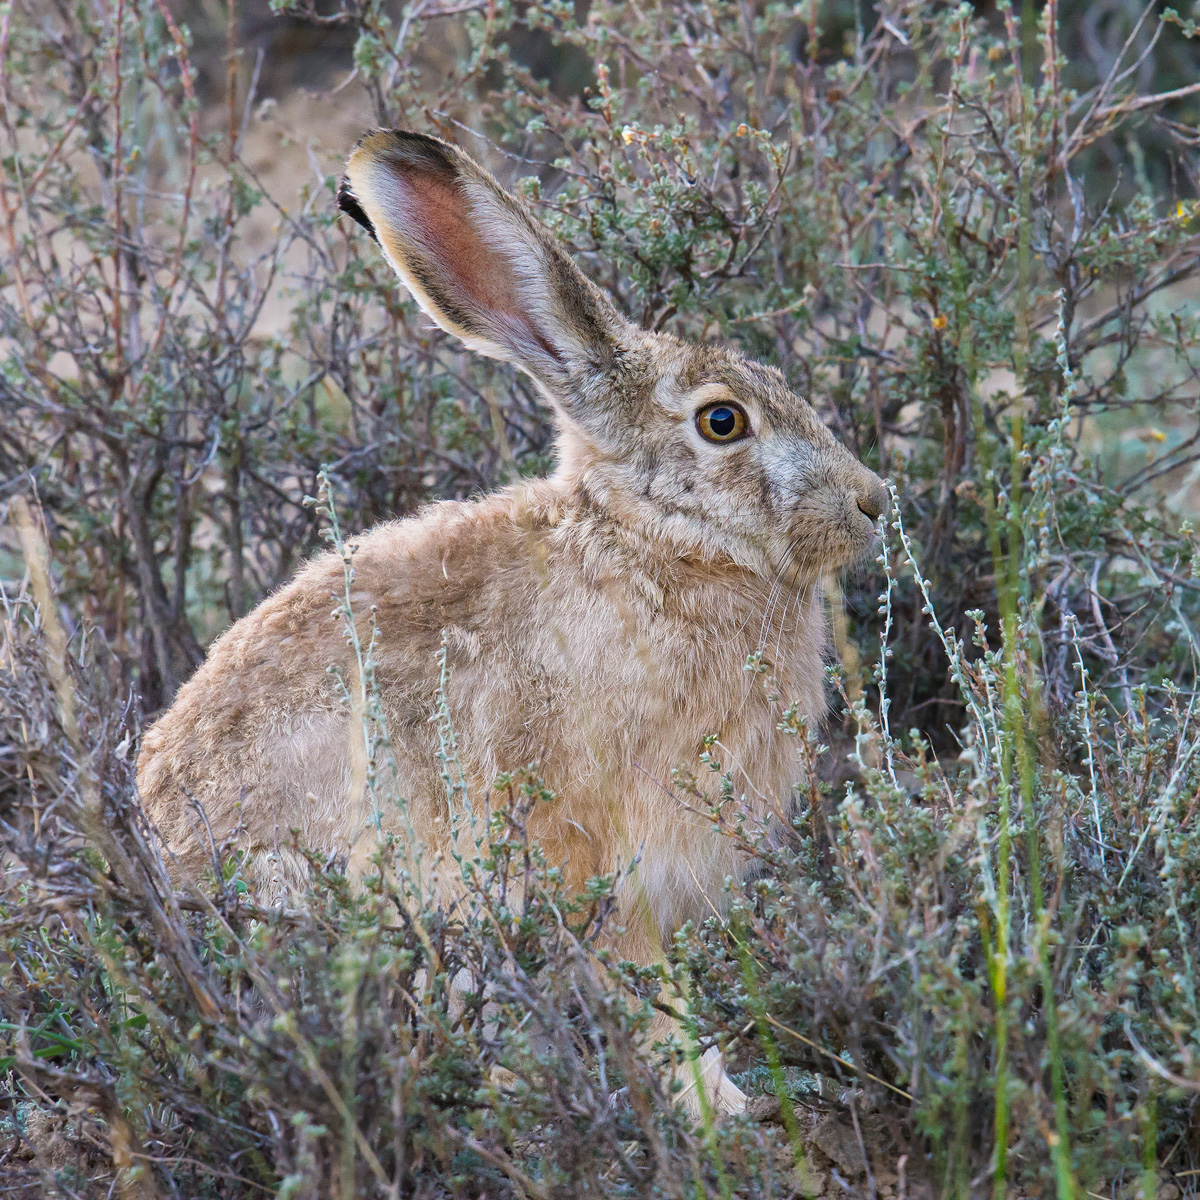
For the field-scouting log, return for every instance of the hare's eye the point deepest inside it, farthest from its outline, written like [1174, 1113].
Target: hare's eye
[722, 423]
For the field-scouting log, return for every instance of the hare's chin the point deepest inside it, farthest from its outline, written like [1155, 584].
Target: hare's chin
[842, 550]
[795, 572]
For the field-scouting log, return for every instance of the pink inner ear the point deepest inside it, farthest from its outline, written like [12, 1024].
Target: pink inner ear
[478, 279]
[439, 223]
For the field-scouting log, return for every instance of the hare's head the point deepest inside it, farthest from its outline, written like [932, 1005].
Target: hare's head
[694, 444]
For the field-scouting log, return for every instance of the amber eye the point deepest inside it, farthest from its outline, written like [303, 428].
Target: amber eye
[722, 423]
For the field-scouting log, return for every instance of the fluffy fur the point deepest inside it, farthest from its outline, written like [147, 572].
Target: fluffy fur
[597, 623]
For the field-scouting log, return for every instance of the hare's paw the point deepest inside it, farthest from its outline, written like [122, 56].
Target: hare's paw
[729, 1098]
[708, 1072]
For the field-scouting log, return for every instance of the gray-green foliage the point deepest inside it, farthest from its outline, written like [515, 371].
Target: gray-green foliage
[977, 254]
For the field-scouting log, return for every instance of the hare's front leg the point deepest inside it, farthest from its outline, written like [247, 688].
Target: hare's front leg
[706, 1072]
[642, 944]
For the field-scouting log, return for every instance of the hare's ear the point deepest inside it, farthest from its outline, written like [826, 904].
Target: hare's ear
[475, 260]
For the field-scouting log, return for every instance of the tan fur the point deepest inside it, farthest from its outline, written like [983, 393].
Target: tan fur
[596, 623]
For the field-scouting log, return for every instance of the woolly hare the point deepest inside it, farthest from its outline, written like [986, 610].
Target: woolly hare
[596, 623]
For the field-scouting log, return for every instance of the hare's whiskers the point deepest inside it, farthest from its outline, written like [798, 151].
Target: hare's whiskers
[800, 595]
[773, 597]
[786, 565]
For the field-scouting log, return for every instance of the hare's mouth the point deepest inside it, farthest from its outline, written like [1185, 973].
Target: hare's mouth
[863, 538]
[817, 545]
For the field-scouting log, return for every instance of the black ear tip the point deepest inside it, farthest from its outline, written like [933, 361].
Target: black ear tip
[347, 201]
[425, 152]
[423, 141]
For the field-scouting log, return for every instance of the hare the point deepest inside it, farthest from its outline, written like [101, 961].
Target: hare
[596, 623]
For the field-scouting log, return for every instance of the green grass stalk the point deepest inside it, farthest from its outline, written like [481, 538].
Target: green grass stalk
[708, 1118]
[767, 1041]
[1150, 1143]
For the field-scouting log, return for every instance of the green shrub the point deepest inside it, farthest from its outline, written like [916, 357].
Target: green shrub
[976, 939]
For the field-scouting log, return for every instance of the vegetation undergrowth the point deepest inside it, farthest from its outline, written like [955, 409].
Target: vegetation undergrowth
[971, 236]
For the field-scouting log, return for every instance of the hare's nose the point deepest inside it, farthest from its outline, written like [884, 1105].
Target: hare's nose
[873, 501]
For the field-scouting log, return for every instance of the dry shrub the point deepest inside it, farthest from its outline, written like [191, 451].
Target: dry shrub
[977, 255]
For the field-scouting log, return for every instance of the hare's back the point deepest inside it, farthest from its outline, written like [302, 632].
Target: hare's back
[267, 735]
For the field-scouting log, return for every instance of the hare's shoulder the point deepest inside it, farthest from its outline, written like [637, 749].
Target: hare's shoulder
[456, 559]
[411, 577]
[452, 566]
